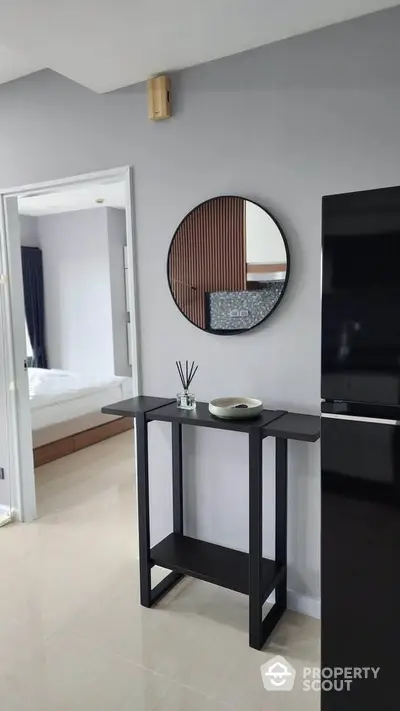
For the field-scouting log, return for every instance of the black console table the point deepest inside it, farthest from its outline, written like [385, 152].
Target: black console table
[247, 573]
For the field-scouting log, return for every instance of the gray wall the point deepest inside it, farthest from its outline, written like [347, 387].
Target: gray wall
[28, 230]
[83, 272]
[76, 275]
[283, 125]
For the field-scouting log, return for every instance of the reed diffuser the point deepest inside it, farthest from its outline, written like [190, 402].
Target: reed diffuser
[185, 400]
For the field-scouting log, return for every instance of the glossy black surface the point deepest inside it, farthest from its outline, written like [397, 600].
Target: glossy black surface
[360, 446]
[361, 296]
[361, 559]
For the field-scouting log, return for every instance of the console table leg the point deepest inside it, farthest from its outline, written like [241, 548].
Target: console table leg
[281, 517]
[177, 490]
[255, 540]
[142, 453]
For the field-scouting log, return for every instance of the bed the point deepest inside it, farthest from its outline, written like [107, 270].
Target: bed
[66, 410]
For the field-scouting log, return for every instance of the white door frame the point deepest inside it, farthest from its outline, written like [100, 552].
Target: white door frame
[21, 472]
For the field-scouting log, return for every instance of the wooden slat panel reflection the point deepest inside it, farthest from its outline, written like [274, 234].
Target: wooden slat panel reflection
[208, 253]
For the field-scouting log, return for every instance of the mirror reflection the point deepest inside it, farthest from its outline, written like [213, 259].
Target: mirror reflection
[228, 265]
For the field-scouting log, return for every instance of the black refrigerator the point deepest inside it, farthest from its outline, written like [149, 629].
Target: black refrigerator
[360, 448]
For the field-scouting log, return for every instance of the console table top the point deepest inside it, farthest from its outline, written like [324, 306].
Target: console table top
[273, 423]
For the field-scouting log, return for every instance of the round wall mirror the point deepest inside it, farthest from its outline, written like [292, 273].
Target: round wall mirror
[228, 265]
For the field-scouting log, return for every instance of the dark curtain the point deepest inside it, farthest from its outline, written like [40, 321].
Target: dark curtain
[32, 270]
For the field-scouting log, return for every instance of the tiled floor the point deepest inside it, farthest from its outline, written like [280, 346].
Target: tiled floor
[72, 633]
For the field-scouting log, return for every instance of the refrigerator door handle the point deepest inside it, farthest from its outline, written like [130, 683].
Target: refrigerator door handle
[355, 418]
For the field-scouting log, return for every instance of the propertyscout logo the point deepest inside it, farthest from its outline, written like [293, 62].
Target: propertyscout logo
[278, 675]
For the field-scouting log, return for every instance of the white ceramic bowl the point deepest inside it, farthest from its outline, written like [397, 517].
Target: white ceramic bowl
[235, 408]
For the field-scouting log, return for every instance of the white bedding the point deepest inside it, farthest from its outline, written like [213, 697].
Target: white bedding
[58, 396]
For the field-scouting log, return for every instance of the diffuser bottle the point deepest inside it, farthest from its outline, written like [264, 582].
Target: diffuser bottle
[186, 400]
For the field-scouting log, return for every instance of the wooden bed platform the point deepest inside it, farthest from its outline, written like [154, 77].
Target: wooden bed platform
[72, 443]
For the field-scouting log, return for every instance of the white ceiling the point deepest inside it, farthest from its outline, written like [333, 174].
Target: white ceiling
[108, 44]
[81, 197]
[14, 64]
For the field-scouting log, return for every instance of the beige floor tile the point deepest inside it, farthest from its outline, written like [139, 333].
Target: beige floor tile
[200, 599]
[181, 698]
[174, 639]
[73, 634]
[52, 584]
[69, 674]
[212, 650]
[242, 686]
[151, 638]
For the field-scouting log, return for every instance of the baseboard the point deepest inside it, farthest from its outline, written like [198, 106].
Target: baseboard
[80, 440]
[305, 604]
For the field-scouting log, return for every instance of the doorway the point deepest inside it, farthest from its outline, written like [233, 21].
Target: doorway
[67, 196]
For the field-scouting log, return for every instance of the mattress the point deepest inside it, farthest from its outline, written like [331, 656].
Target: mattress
[59, 396]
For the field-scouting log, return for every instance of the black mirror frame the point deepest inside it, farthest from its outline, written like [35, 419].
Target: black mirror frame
[278, 301]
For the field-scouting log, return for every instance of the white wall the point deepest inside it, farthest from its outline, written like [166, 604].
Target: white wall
[76, 277]
[283, 125]
[264, 243]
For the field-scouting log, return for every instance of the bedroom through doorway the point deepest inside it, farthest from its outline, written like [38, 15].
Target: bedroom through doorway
[78, 310]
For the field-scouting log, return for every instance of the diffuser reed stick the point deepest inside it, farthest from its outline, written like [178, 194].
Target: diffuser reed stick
[186, 375]
[185, 399]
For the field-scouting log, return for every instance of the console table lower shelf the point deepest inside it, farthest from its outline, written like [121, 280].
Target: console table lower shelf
[246, 573]
[215, 564]
[221, 566]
